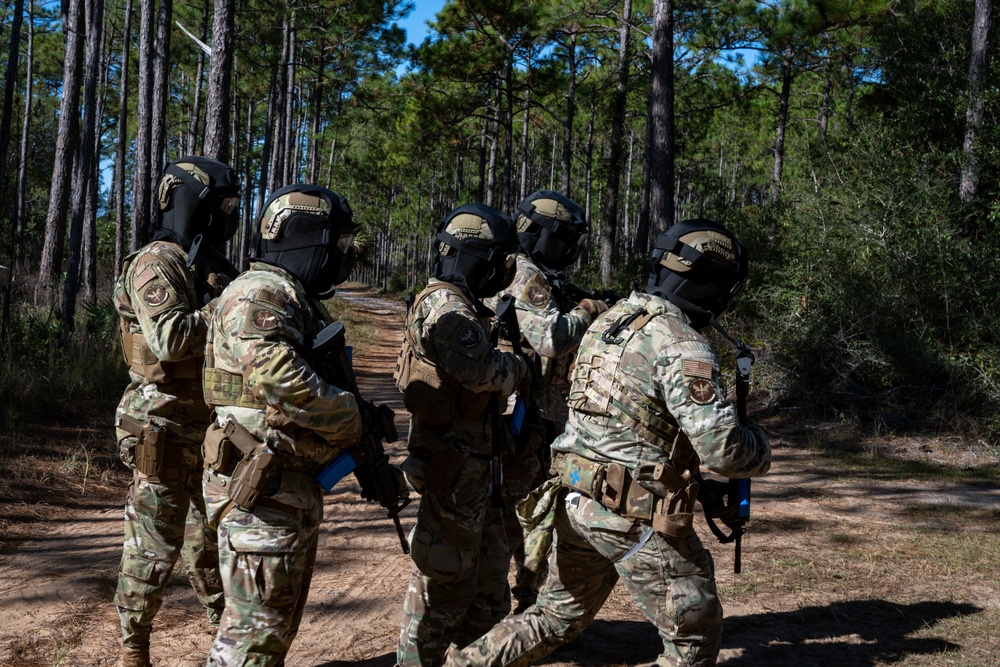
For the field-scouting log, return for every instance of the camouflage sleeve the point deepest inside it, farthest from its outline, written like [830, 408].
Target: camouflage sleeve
[688, 377]
[548, 331]
[173, 324]
[461, 346]
[266, 342]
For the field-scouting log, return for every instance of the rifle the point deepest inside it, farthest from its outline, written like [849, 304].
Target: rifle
[577, 293]
[736, 513]
[367, 460]
[208, 254]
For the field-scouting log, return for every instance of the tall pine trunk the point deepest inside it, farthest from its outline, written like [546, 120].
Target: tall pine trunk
[161, 93]
[567, 144]
[121, 142]
[6, 118]
[67, 137]
[969, 183]
[609, 226]
[144, 122]
[661, 152]
[220, 80]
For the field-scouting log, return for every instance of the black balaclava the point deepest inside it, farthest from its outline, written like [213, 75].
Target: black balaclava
[197, 196]
[699, 266]
[476, 246]
[309, 231]
[551, 229]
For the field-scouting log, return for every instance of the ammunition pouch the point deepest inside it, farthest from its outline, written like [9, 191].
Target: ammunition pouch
[141, 360]
[614, 487]
[154, 458]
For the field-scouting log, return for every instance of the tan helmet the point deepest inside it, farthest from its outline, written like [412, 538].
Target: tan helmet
[476, 244]
[551, 229]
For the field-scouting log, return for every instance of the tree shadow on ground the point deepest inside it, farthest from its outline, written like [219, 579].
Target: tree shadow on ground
[857, 633]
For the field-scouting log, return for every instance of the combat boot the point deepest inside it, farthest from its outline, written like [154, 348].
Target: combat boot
[135, 657]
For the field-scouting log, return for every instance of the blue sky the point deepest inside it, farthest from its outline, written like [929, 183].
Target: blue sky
[415, 24]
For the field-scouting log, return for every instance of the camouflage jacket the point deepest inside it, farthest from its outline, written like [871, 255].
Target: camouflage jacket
[551, 331]
[445, 330]
[263, 324]
[164, 321]
[677, 371]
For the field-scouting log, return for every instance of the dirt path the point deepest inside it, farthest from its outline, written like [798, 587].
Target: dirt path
[821, 582]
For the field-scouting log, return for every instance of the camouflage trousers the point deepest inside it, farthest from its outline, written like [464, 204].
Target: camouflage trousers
[266, 558]
[458, 588]
[521, 475]
[672, 583]
[164, 520]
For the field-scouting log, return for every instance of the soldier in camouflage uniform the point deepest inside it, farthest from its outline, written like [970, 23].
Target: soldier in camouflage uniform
[552, 232]
[454, 382]
[278, 421]
[165, 303]
[647, 407]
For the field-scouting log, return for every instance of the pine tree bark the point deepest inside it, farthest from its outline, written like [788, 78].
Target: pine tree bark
[6, 119]
[84, 176]
[609, 222]
[144, 124]
[67, 137]
[161, 93]
[661, 167]
[567, 145]
[121, 142]
[784, 99]
[969, 183]
[194, 125]
[220, 81]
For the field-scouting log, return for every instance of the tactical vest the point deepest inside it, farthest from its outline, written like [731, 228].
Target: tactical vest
[140, 359]
[601, 388]
[224, 388]
[429, 393]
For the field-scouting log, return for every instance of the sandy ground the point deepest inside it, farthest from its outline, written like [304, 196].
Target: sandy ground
[56, 587]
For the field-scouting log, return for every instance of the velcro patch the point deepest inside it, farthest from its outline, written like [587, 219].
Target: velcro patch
[144, 275]
[272, 298]
[470, 336]
[264, 319]
[701, 391]
[155, 295]
[536, 292]
[697, 369]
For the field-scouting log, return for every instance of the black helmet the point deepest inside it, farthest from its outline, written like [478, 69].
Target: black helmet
[551, 229]
[308, 231]
[477, 246]
[197, 195]
[699, 266]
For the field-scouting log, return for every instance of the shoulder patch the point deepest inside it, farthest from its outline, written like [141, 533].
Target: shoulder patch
[470, 336]
[272, 298]
[536, 296]
[697, 369]
[264, 319]
[155, 295]
[701, 391]
[144, 275]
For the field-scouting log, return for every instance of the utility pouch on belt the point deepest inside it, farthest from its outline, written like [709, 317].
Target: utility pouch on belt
[216, 448]
[151, 444]
[254, 469]
[582, 474]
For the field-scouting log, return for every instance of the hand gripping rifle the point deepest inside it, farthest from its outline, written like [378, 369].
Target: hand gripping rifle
[577, 293]
[736, 512]
[367, 460]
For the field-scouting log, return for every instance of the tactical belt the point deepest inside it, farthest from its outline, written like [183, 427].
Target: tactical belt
[611, 485]
[246, 444]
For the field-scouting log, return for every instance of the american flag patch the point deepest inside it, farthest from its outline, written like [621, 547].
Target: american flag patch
[697, 369]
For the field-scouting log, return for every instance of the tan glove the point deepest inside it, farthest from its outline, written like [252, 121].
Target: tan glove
[593, 307]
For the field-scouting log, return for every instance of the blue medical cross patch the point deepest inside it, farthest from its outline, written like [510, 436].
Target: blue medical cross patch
[575, 477]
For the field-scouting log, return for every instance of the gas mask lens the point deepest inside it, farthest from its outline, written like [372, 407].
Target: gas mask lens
[229, 205]
[345, 243]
